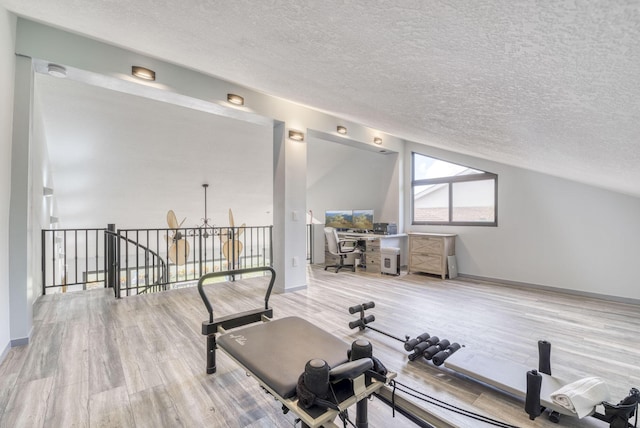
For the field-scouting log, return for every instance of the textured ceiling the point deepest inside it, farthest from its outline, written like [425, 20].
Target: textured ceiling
[547, 85]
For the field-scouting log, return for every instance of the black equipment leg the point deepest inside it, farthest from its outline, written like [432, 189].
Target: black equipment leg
[544, 357]
[532, 399]
[362, 420]
[211, 353]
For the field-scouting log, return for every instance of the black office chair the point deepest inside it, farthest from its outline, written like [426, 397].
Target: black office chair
[341, 248]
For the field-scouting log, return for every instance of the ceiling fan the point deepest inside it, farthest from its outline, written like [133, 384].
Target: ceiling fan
[179, 249]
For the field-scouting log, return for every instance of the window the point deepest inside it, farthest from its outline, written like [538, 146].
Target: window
[448, 193]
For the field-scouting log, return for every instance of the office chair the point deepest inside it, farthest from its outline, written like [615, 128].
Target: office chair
[341, 248]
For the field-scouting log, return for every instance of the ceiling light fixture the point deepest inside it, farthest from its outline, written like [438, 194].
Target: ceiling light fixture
[377, 140]
[56, 70]
[341, 130]
[296, 135]
[235, 99]
[143, 73]
[205, 229]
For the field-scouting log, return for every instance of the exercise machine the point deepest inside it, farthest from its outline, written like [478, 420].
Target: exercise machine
[423, 345]
[537, 387]
[311, 372]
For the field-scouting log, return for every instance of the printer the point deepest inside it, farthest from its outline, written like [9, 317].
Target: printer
[385, 228]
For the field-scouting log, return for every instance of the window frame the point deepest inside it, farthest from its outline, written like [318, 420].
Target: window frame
[483, 176]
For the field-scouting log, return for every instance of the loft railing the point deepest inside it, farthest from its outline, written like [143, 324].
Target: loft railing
[72, 259]
[137, 261]
[191, 253]
[153, 266]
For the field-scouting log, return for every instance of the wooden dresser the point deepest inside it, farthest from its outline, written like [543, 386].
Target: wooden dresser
[428, 252]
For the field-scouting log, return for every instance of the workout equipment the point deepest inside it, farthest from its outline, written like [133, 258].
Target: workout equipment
[301, 365]
[535, 386]
[363, 321]
[441, 356]
[410, 344]
[433, 350]
[423, 345]
[311, 372]
[418, 350]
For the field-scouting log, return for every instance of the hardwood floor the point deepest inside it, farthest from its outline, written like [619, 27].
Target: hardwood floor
[95, 361]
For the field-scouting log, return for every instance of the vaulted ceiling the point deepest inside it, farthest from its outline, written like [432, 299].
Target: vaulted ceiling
[549, 86]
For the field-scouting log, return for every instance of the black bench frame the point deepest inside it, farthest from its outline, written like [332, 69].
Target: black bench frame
[211, 327]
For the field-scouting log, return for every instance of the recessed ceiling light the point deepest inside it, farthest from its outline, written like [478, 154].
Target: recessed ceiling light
[56, 70]
[143, 73]
[341, 130]
[377, 140]
[296, 135]
[235, 99]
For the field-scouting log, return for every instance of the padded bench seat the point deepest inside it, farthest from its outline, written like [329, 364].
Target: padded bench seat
[276, 351]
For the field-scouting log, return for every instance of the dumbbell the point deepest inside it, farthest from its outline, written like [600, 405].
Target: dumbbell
[362, 307]
[362, 322]
[439, 358]
[433, 350]
[420, 347]
[410, 344]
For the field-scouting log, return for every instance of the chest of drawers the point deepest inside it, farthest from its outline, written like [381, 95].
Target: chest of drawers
[428, 252]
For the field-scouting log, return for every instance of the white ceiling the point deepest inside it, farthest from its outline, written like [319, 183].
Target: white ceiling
[550, 86]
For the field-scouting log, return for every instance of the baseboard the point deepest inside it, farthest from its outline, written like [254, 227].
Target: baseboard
[19, 342]
[4, 353]
[617, 299]
[291, 290]
[22, 341]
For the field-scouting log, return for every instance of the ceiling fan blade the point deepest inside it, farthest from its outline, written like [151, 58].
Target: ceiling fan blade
[179, 252]
[171, 220]
[230, 217]
[232, 251]
[241, 229]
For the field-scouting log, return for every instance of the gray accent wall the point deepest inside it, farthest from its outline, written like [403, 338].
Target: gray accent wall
[551, 232]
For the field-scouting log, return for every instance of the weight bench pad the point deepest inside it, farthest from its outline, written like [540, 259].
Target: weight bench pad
[276, 352]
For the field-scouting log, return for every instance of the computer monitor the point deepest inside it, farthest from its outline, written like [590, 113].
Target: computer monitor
[340, 219]
[362, 219]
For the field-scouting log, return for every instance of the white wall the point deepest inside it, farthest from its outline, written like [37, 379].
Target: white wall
[41, 209]
[7, 67]
[340, 177]
[551, 232]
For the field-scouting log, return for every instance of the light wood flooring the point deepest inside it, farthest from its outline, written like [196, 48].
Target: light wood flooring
[95, 361]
